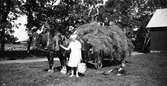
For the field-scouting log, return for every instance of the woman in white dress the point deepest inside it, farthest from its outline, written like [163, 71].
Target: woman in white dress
[75, 55]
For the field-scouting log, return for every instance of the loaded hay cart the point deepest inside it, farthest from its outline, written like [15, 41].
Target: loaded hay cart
[100, 42]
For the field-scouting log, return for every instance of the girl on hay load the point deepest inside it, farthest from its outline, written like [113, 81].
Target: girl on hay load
[75, 55]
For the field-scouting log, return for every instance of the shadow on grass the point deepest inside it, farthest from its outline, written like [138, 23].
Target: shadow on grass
[13, 55]
[106, 63]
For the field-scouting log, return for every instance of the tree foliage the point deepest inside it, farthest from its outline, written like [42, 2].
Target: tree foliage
[7, 7]
[133, 13]
[125, 13]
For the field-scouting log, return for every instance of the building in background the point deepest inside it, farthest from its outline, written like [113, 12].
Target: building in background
[158, 30]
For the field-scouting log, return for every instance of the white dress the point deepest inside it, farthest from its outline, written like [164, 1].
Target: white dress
[75, 55]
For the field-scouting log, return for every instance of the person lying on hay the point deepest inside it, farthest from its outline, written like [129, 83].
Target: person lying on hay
[75, 54]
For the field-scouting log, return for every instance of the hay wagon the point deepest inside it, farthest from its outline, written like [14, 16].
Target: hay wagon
[103, 42]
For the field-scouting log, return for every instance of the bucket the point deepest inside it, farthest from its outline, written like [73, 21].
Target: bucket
[82, 68]
[64, 70]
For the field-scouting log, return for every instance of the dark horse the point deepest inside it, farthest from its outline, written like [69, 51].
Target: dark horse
[49, 41]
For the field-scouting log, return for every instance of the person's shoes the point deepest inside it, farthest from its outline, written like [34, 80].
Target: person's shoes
[64, 70]
[121, 71]
[71, 75]
[77, 75]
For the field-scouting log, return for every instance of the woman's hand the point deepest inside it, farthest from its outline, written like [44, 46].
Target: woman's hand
[61, 46]
[64, 47]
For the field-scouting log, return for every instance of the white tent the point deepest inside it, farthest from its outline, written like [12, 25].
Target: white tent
[159, 19]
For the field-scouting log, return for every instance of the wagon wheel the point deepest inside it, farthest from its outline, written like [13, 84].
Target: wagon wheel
[98, 63]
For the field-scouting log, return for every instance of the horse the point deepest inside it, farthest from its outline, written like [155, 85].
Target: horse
[48, 41]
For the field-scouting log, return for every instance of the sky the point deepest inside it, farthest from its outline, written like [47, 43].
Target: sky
[21, 32]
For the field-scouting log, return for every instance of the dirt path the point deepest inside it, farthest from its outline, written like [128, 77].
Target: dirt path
[26, 60]
[41, 59]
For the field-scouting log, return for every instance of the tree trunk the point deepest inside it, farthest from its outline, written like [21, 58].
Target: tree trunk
[3, 40]
[3, 22]
[4, 13]
[29, 44]
[29, 26]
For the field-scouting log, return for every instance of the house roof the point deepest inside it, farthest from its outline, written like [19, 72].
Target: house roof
[159, 19]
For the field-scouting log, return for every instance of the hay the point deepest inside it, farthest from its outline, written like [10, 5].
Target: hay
[111, 40]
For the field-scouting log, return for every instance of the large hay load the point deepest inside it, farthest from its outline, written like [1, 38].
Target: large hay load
[104, 41]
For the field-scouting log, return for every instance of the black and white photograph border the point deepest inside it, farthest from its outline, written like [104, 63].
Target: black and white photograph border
[83, 43]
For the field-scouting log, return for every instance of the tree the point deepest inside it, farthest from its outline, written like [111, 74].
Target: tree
[8, 7]
[61, 14]
[5, 9]
[40, 12]
[134, 13]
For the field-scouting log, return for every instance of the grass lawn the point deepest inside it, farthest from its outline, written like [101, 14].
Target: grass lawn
[141, 70]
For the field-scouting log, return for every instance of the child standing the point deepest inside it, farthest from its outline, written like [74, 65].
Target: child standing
[75, 55]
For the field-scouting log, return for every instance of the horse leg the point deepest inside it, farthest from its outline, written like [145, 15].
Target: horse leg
[62, 58]
[85, 56]
[50, 61]
[98, 61]
[121, 69]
